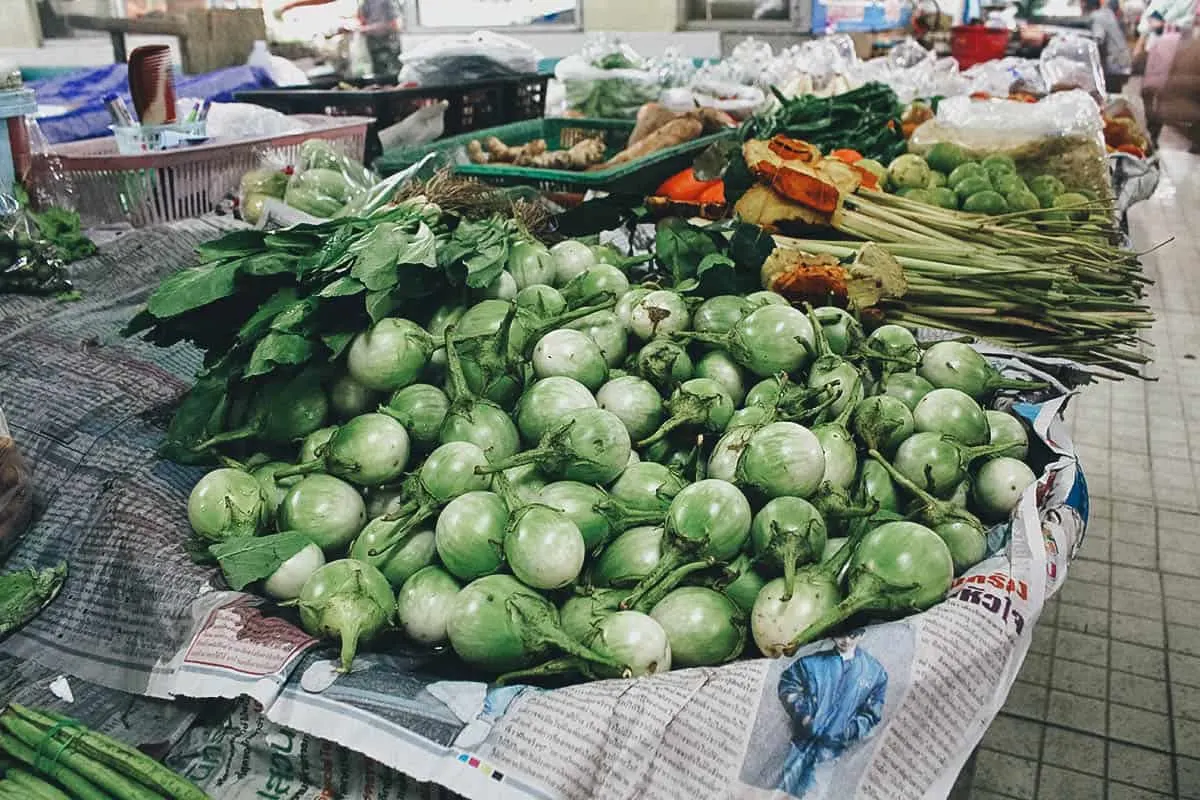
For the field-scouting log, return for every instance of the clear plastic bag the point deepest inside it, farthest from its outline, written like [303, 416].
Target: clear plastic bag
[1073, 61]
[1061, 135]
[607, 80]
[16, 491]
[324, 180]
[461, 59]
[29, 264]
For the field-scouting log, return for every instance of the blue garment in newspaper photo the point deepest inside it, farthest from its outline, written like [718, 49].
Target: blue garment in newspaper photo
[835, 699]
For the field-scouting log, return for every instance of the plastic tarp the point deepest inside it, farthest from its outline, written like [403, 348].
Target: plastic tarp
[83, 92]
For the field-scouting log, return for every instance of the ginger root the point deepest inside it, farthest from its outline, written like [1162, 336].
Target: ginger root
[535, 154]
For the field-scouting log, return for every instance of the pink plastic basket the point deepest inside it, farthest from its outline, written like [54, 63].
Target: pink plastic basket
[151, 188]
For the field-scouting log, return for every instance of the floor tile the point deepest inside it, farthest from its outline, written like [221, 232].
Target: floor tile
[1187, 737]
[1140, 767]
[1075, 750]
[1015, 736]
[1083, 619]
[1010, 775]
[1081, 647]
[1027, 700]
[1139, 660]
[1085, 714]
[1134, 690]
[1055, 783]
[1139, 604]
[1145, 728]
[1088, 680]
[1139, 630]
[1187, 772]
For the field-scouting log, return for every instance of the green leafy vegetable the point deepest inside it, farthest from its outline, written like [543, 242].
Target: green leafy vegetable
[24, 594]
[252, 558]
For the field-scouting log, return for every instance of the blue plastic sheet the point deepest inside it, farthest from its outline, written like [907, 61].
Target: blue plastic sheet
[84, 92]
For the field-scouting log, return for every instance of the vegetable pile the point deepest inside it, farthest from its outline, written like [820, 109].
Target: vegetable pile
[866, 119]
[946, 177]
[559, 471]
[324, 182]
[52, 757]
[1047, 281]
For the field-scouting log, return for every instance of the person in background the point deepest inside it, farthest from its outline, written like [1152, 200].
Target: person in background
[1114, 49]
[1155, 49]
[1175, 13]
[1179, 98]
[378, 22]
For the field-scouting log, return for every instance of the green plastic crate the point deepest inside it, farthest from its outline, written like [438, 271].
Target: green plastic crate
[637, 176]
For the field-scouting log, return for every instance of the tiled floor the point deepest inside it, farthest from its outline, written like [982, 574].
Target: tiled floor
[1107, 705]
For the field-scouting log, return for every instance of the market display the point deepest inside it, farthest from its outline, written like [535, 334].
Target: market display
[473, 454]
[594, 437]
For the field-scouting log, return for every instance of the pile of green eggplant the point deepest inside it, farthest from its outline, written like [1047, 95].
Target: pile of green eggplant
[570, 473]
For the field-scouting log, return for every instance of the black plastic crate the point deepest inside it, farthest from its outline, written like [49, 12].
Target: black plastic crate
[471, 106]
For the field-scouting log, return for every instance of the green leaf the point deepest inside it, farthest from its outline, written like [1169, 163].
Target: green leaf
[277, 349]
[342, 287]
[24, 594]
[200, 415]
[253, 558]
[259, 323]
[375, 262]
[750, 246]
[421, 248]
[479, 249]
[718, 274]
[293, 316]
[193, 288]
[681, 247]
[337, 342]
[269, 264]
[233, 245]
[380, 304]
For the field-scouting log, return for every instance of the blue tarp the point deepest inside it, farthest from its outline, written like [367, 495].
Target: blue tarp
[84, 92]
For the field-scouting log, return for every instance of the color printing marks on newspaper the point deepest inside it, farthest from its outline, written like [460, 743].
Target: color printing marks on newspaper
[474, 763]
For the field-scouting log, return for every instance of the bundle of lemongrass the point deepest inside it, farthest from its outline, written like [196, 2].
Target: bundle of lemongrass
[1049, 282]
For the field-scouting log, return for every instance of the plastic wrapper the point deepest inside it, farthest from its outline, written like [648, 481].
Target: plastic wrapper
[325, 180]
[1001, 76]
[1061, 135]
[607, 80]
[242, 120]
[29, 263]
[16, 490]
[673, 69]
[1073, 61]
[461, 59]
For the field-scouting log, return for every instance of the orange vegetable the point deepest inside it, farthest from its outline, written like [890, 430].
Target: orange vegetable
[715, 193]
[867, 179]
[790, 149]
[846, 155]
[684, 187]
[806, 189]
[1132, 149]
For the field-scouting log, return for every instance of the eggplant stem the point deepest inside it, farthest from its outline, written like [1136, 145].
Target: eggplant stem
[834, 616]
[555, 666]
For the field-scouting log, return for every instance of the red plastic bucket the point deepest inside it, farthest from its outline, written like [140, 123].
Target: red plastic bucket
[973, 44]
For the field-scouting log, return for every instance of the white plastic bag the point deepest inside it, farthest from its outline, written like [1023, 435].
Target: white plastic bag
[470, 57]
[607, 80]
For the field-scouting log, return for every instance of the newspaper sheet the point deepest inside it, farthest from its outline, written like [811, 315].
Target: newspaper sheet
[88, 409]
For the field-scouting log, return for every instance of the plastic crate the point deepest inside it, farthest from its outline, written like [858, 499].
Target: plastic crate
[151, 188]
[471, 106]
[634, 177]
